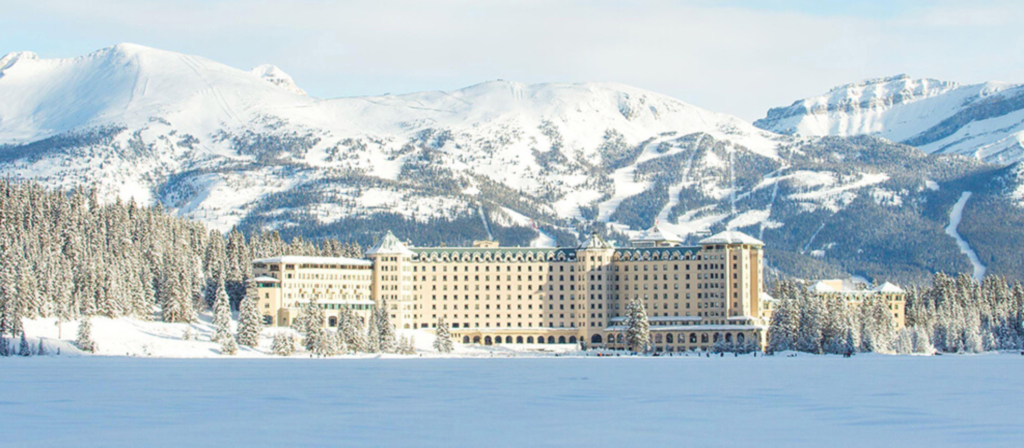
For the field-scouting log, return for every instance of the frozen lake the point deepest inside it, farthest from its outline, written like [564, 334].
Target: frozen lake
[876, 401]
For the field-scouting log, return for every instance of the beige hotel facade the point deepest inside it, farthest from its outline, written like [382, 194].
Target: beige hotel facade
[696, 296]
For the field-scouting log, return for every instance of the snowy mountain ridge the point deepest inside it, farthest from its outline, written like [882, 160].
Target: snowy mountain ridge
[525, 164]
[982, 120]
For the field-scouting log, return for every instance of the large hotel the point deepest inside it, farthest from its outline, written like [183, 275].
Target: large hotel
[695, 296]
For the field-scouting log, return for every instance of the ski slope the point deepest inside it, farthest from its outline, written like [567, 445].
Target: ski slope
[804, 401]
[955, 216]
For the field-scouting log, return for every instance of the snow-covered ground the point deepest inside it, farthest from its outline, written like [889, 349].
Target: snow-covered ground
[813, 401]
[138, 338]
[955, 216]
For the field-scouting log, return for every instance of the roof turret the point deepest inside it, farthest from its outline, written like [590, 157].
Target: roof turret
[390, 245]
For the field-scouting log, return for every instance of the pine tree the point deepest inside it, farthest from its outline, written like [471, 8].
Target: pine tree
[372, 335]
[228, 345]
[284, 344]
[443, 337]
[221, 316]
[250, 321]
[812, 318]
[387, 343]
[785, 323]
[352, 331]
[638, 335]
[84, 340]
[406, 345]
[23, 348]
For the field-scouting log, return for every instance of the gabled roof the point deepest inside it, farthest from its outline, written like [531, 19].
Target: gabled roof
[821, 287]
[887, 288]
[656, 233]
[731, 237]
[596, 242]
[390, 245]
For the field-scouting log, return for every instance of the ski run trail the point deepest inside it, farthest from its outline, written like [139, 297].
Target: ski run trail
[955, 216]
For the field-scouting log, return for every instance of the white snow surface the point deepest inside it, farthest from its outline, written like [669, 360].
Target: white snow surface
[955, 216]
[802, 401]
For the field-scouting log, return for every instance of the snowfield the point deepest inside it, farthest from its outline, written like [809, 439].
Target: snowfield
[813, 401]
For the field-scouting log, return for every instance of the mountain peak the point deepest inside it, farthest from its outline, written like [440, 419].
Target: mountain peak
[10, 59]
[274, 75]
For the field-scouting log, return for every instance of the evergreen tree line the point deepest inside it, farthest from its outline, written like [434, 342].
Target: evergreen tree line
[351, 335]
[66, 255]
[954, 315]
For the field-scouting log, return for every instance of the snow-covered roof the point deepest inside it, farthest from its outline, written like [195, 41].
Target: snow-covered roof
[302, 259]
[265, 279]
[596, 242]
[765, 297]
[887, 288]
[822, 287]
[390, 245]
[656, 233]
[850, 287]
[731, 237]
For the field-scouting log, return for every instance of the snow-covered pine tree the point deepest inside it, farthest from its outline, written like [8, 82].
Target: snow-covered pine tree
[221, 315]
[443, 337]
[228, 345]
[372, 334]
[250, 321]
[387, 341]
[352, 331]
[23, 348]
[785, 322]
[284, 344]
[638, 328]
[84, 341]
[410, 345]
[317, 341]
[812, 319]
[834, 329]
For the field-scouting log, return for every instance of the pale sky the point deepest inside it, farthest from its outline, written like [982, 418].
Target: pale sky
[738, 57]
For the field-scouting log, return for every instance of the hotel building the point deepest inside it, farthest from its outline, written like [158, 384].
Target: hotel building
[696, 296]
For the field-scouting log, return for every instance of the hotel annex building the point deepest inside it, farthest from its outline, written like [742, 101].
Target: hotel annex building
[695, 296]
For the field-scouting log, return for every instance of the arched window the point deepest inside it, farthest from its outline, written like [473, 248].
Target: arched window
[487, 340]
[508, 339]
[519, 339]
[572, 339]
[718, 337]
[465, 339]
[619, 338]
[595, 339]
[740, 338]
[693, 338]
[561, 339]
[476, 339]
[529, 339]
[551, 339]
[704, 338]
[332, 321]
[657, 338]
[668, 338]
[728, 337]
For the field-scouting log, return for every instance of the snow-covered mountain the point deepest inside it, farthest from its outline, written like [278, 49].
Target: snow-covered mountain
[141, 117]
[982, 120]
[525, 164]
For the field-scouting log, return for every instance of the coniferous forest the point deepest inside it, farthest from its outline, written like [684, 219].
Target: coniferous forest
[66, 255]
[953, 315]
